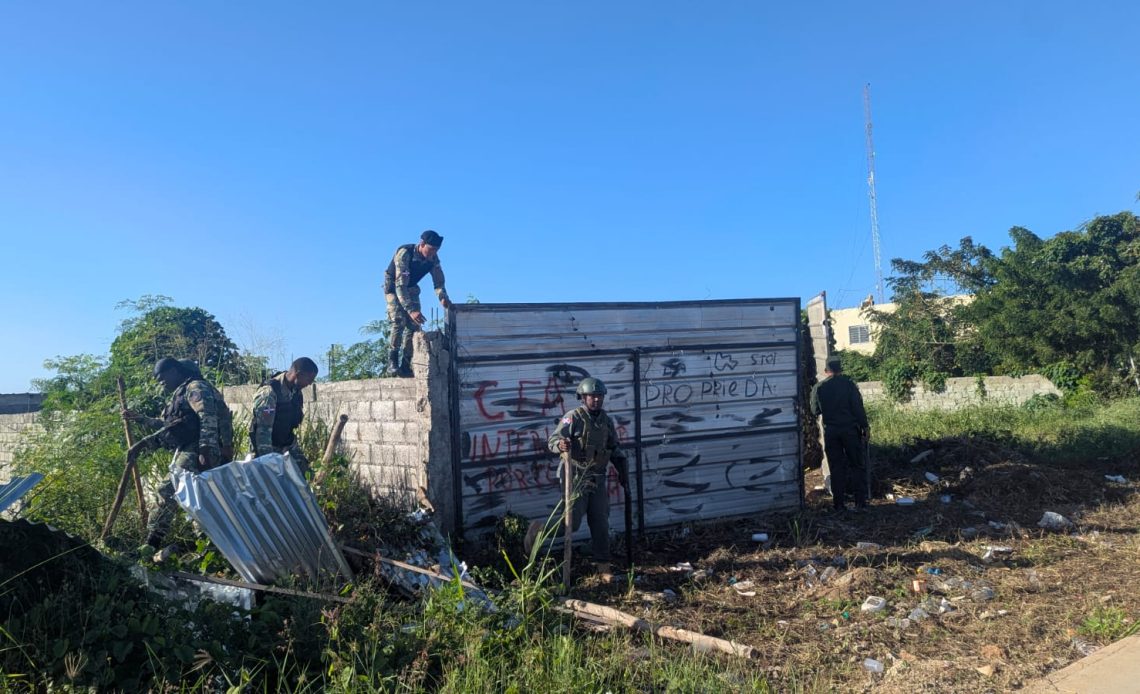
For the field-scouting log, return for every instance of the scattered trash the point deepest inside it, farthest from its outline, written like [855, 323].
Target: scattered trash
[917, 614]
[760, 537]
[905, 500]
[982, 594]
[1119, 479]
[742, 589]
[867, 545]
[1033, 579]
[945, 606]
[918, 586]
[1084, 647]
[701, 574]
[997, 525]
[873, 666]
[945, 498]
[933, 571]
[684, 567]
[922, 456]
[931, 477]
[839, 560]
[873, 603]
[1054, 521]
[828, 574]
[670, 595]
[897, 623]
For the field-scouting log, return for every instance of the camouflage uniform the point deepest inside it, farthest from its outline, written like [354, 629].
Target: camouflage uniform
[202, 438]
[402, 292]
[278, 410]
[593, 446]
[837, 398]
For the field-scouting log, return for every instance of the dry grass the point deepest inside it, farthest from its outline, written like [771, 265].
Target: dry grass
[1052, 590]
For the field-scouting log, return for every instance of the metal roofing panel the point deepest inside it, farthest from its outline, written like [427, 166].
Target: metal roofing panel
[16, 488]
[489, 330]
[263, 517]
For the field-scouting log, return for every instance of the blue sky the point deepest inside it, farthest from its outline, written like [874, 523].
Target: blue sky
[263, 160]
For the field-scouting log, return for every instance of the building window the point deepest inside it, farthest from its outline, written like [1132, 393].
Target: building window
[858, 334]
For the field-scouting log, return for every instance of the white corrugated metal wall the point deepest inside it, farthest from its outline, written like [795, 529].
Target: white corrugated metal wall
[704, 395]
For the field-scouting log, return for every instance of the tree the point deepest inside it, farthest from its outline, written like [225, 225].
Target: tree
[1073, 298]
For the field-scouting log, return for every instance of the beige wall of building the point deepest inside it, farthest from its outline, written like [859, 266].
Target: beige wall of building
[853, 329]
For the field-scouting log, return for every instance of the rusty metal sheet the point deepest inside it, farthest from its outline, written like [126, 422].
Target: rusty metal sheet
[715, 382]
[264, 518]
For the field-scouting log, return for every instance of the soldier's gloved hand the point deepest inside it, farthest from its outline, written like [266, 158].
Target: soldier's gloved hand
[563, 445]
[446, 303]
[417, 317]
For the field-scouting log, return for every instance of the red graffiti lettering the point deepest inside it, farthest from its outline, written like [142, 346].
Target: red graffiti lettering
[483, 386]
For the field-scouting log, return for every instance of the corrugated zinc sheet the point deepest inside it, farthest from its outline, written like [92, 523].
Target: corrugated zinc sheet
[263, 517]
[820, 330]
[704, 394]
[16, 488]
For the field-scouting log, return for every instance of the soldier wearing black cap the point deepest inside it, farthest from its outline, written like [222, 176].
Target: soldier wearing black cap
[402, 292]
[196, 425]
[845, 430]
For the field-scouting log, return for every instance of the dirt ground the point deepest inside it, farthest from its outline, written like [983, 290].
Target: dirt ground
[979, 598]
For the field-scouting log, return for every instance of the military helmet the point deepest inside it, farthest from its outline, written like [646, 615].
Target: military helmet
[591, 386]
[166, 363]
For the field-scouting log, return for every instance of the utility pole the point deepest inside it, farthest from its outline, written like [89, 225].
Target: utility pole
[871, 195]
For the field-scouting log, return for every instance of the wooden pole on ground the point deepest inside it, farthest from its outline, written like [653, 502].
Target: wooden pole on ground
[699, 641]
[130, 442]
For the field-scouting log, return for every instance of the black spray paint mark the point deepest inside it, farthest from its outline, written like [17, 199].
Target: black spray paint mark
[694, 488]
[685, 510]
[681, 468]
[672, 368]
[764, 415]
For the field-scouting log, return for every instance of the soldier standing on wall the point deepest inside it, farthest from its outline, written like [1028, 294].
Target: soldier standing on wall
[402, 293]
[196, 425]
[278, 409]
[845, 431]
[589, 436]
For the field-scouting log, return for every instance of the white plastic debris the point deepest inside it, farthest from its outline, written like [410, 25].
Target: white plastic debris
[1119, 479]
[760, 537]
[873, 666]
[931, 477]
[897, 623]
[873, 603]
[922, 456]
[1054, 521]
[917, 614]
[982, 594]
[827, 574]
[867, 545]
[683, 566]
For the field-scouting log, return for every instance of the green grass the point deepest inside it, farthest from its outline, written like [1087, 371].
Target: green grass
[1052, 432]
[1107, 624]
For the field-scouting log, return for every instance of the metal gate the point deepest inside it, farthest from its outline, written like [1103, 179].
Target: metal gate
[704, 395]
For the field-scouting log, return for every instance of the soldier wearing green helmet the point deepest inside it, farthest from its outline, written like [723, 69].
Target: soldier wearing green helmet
[590, 438]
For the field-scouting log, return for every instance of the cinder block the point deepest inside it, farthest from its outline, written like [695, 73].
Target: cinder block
[371, 432]
[392, 432]
[351, 431]
[383, 410]
[406, 411]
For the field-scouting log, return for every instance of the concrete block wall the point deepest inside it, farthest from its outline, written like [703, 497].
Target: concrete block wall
[398, 432]
[963, 392]
[13, 428]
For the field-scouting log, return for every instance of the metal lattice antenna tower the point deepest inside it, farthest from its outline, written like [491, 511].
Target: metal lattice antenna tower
[871, 195]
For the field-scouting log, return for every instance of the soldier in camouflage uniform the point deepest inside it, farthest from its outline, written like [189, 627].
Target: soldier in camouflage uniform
[196, 425]
[402, 292]
[278, 408]
[588, 434]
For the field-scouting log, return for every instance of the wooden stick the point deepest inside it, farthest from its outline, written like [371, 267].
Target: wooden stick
[330, 449]
[699, 641]
[258, 586]
[130, 442]
[568, 519]
[409, 567]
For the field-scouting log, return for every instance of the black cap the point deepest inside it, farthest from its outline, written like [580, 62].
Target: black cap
[431, 238]
[166, 363]
[834, 365]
